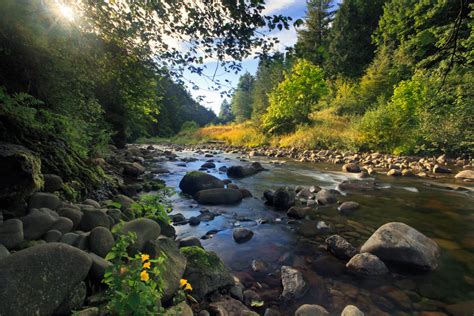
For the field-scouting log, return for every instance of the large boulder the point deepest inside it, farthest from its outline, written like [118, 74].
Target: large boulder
[205, 271]
[244, 171]
[283, 198]
[44, 200]
[366, 264]
[218, 196]
[93, 218]
[37, 280]
[294, 285]
[20, 173]
[145, 230]
[11, 233]
[196, 181]
[38, 222]
[465, 174]
[101, 241]
[173, 267]
[399, 243]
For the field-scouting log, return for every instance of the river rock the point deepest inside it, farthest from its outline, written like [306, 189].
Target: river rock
[340, 247]
[99, 266]
[283, 198]
[94, 218]
[44, 200]
[394, 173]
[52, 236]
[351, 167]
[242, 235]
[196, 181]
[268, 196]
[351, 310]
[174, 264]
[208, 165]
[38, 222]
[245, 193]
[294, 285]
[11, 233]
[244, 171]
[74, 300]
[181, 309]
[124, 201]
[348, 207]
[20, 173]
[52, 183]
[92, 203]
[311, 310]
[63, 224]
[37, 280]
[441, 169]
[101, 241]
[461, 309]
[465, 174]
[205, 271]
[73, 214]
[230, 307]
[145, 229]
[325, 197]
[132, 169]
[298, 212]
[218, 196]
[91, 311]
[3, 252]
[366, 264]
[399, 243]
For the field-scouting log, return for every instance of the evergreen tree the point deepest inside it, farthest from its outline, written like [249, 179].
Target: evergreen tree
[313, 40]
[242, 99]
[225, 114]
[351, 48]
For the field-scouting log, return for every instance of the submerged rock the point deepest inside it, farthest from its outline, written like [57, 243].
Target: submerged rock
[244, 171]
[351, 167]
[340, 247]
[294, 285]
[399, 243]
[242, 235]
[229, 307]
[196, 181]
[348, 207]
[283, 198]
[37, 280]
[218, 196]
[367, 264]
[325, 197]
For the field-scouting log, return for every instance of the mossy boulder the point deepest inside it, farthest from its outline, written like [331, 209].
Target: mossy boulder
[205, 271]
[20, 173]
[195, 181]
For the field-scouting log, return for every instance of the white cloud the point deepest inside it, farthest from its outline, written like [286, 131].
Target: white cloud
[271, 6]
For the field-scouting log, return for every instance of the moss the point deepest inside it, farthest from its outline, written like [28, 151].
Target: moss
[200, 258]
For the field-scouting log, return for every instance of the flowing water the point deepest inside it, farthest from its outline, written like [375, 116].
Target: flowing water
[445, 215]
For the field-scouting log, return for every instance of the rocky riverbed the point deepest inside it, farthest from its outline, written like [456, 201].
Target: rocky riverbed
[285, 232]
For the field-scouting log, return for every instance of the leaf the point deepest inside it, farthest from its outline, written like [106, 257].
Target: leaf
[256, 303]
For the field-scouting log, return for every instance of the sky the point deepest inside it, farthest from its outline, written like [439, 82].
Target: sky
[212, 99]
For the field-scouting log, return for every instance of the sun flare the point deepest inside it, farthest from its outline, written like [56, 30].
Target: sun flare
[66, 12]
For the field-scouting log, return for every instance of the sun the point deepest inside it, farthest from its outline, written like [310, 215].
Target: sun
[66, 12]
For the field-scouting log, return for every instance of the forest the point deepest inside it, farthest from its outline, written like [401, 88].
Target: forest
[388, 75]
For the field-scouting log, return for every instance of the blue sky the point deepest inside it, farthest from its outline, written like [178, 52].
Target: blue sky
[212, 99]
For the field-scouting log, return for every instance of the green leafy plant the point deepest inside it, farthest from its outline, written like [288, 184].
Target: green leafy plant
[153, 206]
[135, 283]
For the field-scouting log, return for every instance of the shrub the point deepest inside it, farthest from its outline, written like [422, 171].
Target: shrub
[153, 206]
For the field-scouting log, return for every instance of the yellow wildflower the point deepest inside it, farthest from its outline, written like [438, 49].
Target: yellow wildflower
[146, 265]
[188, 287]
[123, 270]
[144, 276]
[145, 258]
[183, 282]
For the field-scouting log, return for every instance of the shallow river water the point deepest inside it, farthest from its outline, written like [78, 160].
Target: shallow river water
[447, 216]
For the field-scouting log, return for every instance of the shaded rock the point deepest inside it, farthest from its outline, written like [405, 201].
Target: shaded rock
[465, 174]
[91, 311]
[351, 310]
[244, 171]
[250, 297]
[22, 278]
[245, 193]
[294, 285]
[242, 235]
[74, 300]
[394, 173]
[325, 197]
[132, 169]
[145, 229]
[194, 221]
[351, 167]
[92, 203]
[283, 198]
[101, 241]
[340, 247]
[177, 218]
[73, 214]
[311, 310]
[268, 196]
[399, 243]
[44, 200]
[208, 165]
[63, 224]
[52, 236]
[92, 219]
[70, 239]
[259, 266]
[461, 309]
[218, 196]
[189, 241]
[99, 266]
[38, 222]
[237, 293]
[348, 207]
[52, 183]
[205, 271]
[230, 307]
[174, 264]
[182, 309]
[3, 252]
[124, 201]
[196, 181]
[441, 169]
[11, 233]
[20, 173]
[298, 212]
[367, 264]
[271, 312]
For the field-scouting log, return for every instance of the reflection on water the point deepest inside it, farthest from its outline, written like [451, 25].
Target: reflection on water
[446, 216]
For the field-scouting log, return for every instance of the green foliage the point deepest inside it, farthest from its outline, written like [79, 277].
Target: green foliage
[241, 102]
[153, 206]
[134, 282]
[189, 126]
[293, 99]
[225, 113]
